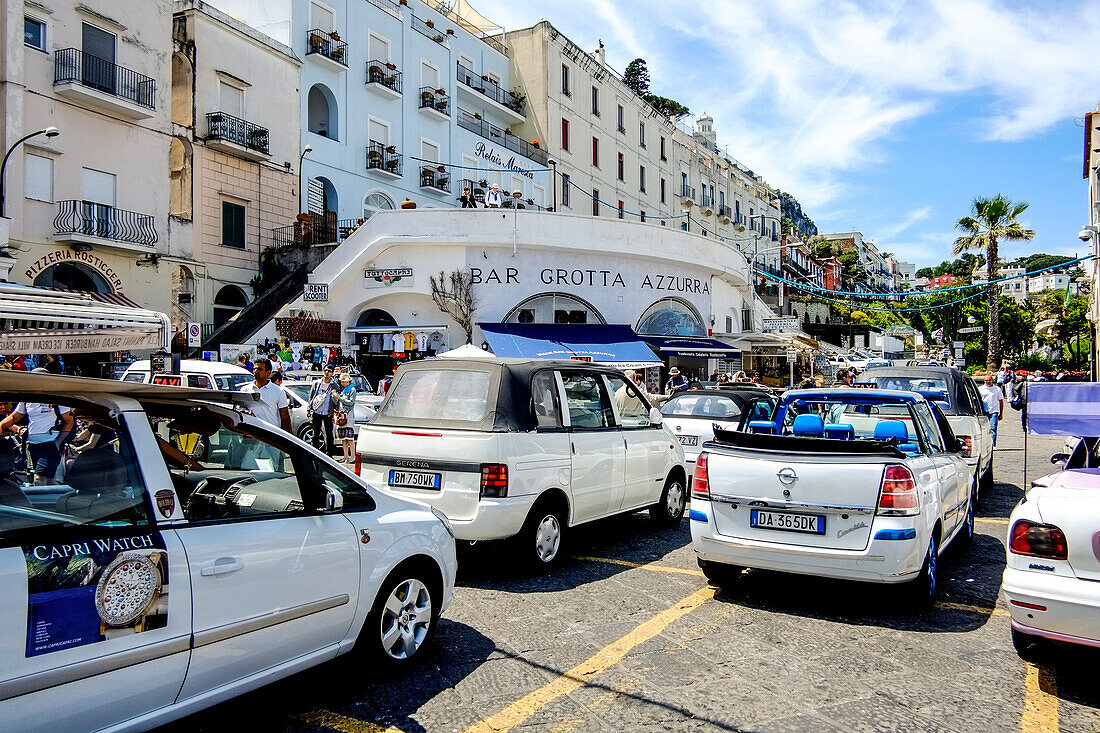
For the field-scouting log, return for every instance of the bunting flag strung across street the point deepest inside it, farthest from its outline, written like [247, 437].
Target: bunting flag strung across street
[1063, 408]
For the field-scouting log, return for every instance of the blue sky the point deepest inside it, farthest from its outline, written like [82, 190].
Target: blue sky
[884, 117]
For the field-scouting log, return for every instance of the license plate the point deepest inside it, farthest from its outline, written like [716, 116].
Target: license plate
[415, 479]
[688, 439]
[808, 523]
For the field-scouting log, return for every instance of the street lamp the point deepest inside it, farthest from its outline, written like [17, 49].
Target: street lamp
[301, 194]
[50, 131]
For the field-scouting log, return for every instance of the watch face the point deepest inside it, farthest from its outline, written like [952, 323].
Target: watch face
[126, 588]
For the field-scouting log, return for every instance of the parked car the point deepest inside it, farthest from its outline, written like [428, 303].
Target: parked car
[194, 373]
[957, 395]
[523, 448]
[859, 484]
[692, 416]
[152, 585]
[1052, 576]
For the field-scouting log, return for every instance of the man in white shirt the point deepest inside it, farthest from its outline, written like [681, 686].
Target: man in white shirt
[493, 199]
[273, 406]
[47, 428]
[994, 400]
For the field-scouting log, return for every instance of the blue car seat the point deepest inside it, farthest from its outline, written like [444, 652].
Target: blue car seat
[840, 431]
[896, 430]
[808, 426]
[762, 427]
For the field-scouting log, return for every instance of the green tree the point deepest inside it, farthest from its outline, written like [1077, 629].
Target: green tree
[991, 221]
[926, 272]
[667, 107]
[636, 77]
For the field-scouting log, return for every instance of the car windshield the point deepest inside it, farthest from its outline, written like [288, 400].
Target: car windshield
[439, 394]
[231, 382]
[712, 406]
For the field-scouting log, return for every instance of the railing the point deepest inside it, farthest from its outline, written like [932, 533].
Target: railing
[434, 178]
[308, 233]
[739, 219]
[447, 9]
[389, 6]
[327, 45]
[796, 267]
[384, 158]
[475, 190]
[706, 200]
[499, 135]
[73, 65]
[427, 28]
[435, 99]
[106, 222]
[491, 90]
[384, 73]
[723, 210]
[687, 192]
[235, 130]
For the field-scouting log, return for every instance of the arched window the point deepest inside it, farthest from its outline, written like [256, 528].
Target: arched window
[554, 308]
[374, 317]
[671, 317]
[229, 301]
[73, 276]
[375, 202]
[322, 112]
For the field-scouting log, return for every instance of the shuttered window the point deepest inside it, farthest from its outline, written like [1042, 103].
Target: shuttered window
[322, 18]
[232, 225]
[232, 99]
[97, 187]
[38, 178]
[97, 42]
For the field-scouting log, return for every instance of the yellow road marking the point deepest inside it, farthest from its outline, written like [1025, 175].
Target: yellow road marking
[983, 610]
[992, 520]
[584, 672]
[1040, 713]
[627, 563]
[344, 723]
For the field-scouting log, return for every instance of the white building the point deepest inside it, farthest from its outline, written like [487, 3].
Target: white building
[1015, 286]
[1051, 280]
[401, 100]
[905, 275]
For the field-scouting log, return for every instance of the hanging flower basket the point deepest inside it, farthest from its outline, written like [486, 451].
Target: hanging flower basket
[440, 91]
[442, 169]
[390, 66]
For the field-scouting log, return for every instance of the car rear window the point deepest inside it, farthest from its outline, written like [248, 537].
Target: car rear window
[908, 384]
[231, 382]
[705, 405]
[460, 395]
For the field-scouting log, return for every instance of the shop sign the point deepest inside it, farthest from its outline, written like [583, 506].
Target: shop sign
[70, 255]
[317, 292]
[77, 341]
[490, 154]
[592, 278]
[384, 278]
[792, 356]
[781, 324]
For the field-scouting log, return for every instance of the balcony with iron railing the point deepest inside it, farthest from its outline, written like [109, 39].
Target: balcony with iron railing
[310, 233]
[89, 223]
[383, 159]
[435, 103]
[707, 201]
[434, 178]
[687, 192]
[389, 6]
[476, 189]
[501, 136]
[511, 104]
[104, 85]
[427, 27]
[489, 37]
[326, 47]
[724, 210]
[237, 137]
[383, 77]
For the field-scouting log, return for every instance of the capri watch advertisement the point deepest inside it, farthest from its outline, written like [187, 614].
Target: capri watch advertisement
[85, 592]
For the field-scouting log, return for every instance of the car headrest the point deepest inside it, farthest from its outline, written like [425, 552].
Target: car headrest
[96, 471]
[841, 431]
[892, 429]
[812, 425]
[766, 427]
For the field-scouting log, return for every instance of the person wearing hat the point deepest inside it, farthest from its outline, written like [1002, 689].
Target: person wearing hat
[493, 199]
[346, 405]
[467, 199]
[677, 382]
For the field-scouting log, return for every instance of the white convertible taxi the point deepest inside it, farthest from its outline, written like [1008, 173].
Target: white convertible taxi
[860, 484]
[140, 584]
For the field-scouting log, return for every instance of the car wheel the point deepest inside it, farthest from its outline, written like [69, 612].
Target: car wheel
[923, 587]
[966, 534]
[1028, 646]
[720, 574]
[403, 620]
[985, 483]
[669, 511]
[543, 534]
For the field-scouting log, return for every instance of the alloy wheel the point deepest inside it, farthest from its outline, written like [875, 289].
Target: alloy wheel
[674, 502]
[406, 618]
[548, 538]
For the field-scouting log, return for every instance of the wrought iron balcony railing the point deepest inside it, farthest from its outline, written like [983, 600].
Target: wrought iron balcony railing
[427, 28]
[501, 136]
[328, 45]
[436, 99]
[106, 222]
[687, 192]
[490, 89]
[384, 158]
[431, 177]
[73, 65]
[235, 130]
[384, 73]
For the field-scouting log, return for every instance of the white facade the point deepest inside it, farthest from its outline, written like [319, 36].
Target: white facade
[1053, 280]
[906, 274]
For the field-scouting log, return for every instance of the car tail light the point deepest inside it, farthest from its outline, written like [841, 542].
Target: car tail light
[1037, 540]
[968, 442]
[494, 480]
[358, 463]
[898, 494]
[700, 481]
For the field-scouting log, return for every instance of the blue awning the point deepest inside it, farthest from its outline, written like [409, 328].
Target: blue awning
[616, 346]
[691, 347]
[1063, 408]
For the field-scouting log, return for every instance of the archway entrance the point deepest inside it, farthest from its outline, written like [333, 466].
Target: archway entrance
[73, 276]
[229, 301]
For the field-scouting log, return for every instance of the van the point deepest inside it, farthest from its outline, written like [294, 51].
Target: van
[194, 373]
[523, 449]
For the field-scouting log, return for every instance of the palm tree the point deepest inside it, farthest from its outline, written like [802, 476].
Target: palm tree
[991, 221]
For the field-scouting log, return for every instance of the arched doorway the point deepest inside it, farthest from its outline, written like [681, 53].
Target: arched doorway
[375, 202]
[374, 318]
[229, 301]
[671, 317]
[73, 276]
[554, 308]
[321, 110]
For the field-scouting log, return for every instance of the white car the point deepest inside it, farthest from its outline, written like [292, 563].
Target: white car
[1052, 577]
[193, 373]
[151, 584]
[858, 484]
[692, 416]
[523, 448]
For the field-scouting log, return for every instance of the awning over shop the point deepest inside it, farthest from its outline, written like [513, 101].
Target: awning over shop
[614, 345]
[691, 348]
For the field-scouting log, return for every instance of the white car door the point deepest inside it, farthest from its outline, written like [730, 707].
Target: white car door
[273, 579]
[647, 445]
[96, 604]
[598, 455]
[951, 509]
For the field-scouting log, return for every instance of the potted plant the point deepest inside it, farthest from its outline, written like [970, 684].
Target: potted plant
[335, 36]
[485, 77]
[531, 202]
[391, 149]
[438, 38]
[535, 143]
[450, 31]
[430, 23]
[440, 91]
[390, 66]
[442, 169]
[477, 115]
[507, 131]
[483, 183]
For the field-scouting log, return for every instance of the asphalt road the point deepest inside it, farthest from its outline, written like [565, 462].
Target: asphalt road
[627, 635]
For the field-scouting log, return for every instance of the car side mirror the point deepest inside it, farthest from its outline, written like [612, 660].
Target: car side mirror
[655, 416]
[1060, 459]
[334, 500]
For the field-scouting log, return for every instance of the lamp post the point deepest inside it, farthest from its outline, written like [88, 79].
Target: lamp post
[301, 194]
[50, 131]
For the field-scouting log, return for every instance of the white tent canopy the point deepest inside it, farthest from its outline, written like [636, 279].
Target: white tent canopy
[469, 351]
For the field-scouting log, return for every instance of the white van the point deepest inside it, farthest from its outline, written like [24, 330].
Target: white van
[523, 448]
[194, 373]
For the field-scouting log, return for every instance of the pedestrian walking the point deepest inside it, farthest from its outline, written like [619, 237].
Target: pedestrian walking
[994, 401]
[272, 407]
[844, 378]
[677, 382]
[345, 417]
[493, 199]
[45, 428]
[322, 402]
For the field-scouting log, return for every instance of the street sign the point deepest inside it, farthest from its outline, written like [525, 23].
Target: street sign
[959, 344]
[781, 324]
[958, 353]
[792, 356]
[960, 363]
[972, 329]
[194, 334]
[316, 292]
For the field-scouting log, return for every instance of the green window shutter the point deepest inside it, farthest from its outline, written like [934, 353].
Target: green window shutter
[232, 225]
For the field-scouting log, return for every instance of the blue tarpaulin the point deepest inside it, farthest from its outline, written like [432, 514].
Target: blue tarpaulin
[614, 345]
[1063, 408]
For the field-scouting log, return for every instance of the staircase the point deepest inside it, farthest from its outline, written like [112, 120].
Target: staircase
[253, 317]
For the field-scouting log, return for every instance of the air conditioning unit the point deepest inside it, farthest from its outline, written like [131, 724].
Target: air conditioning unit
[686, 202]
